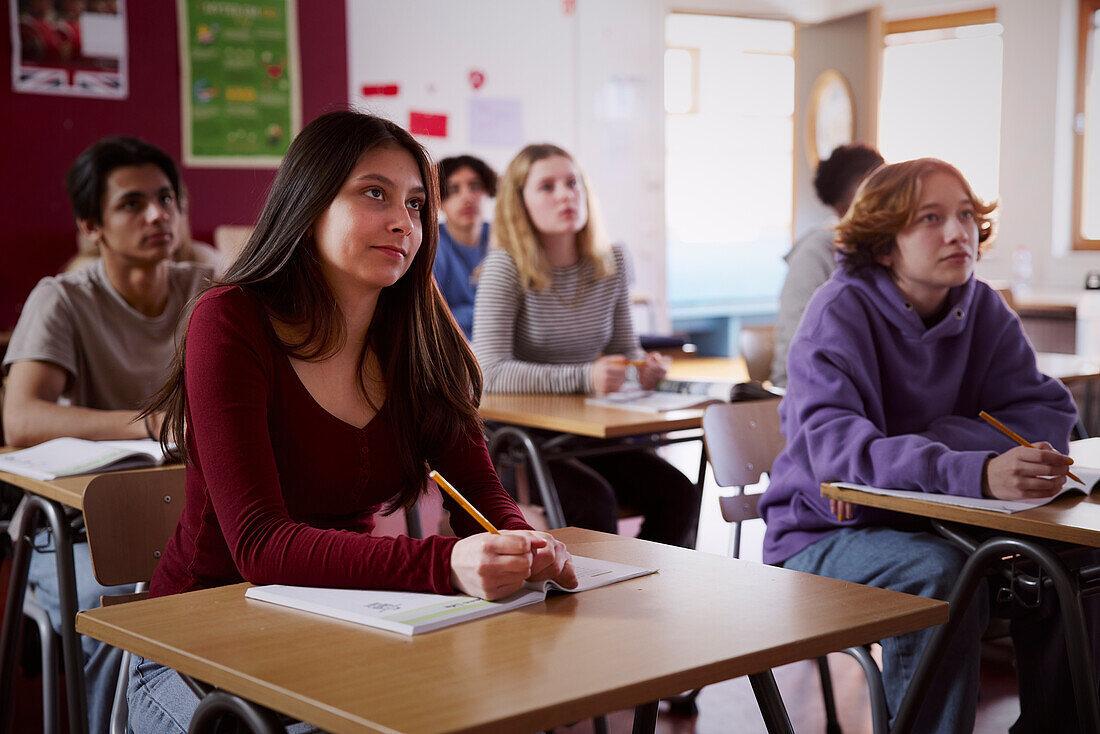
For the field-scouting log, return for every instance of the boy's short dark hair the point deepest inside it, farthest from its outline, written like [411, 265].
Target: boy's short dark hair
[842, 171]
[448, 166]
[86, 180]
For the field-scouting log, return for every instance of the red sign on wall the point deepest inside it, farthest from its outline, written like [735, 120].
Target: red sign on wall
[424, 123]
[384, 90]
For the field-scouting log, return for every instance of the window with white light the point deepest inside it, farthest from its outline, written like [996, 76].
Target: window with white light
[941, 94]
[729, 140]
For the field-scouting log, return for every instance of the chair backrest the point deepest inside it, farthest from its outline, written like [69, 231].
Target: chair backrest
[230, 239]
[129, 517]
[742, 441]
[757, 344]
[1006, 294]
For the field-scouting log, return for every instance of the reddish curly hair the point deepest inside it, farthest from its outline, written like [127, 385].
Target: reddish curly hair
[886, 203]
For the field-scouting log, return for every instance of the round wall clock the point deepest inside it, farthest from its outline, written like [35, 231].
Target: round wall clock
[830, 121]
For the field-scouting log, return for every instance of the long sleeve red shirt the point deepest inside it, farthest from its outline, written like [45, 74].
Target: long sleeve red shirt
[278, 490]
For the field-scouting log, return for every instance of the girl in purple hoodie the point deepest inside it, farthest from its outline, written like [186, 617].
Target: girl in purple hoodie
[896, 355]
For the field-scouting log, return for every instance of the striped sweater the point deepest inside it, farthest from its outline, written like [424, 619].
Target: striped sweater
[545, 341]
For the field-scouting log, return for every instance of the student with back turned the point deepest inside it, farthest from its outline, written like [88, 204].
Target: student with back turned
[896, 357]
[315, 384]
[92, 346]
[813, 258]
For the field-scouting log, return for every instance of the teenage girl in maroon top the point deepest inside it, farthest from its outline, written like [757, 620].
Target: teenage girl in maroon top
[314, 385]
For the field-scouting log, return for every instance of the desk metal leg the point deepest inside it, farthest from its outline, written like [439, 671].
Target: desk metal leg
[771, 703]
[216, 704]
[699, 483]
[645, 718]
[13, 611]
[1073, 618]
[555, 516]
[72, 653]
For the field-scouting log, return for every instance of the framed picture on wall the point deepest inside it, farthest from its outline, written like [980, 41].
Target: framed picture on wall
[72, 49]
[830, 120]
[240, 85]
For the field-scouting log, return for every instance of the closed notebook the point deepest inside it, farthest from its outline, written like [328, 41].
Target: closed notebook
[63, 457]
[411, 613]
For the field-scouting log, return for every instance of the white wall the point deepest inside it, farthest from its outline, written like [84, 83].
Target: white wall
[526, 50]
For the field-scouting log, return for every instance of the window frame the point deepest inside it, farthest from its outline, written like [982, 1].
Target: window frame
[981, 16]
[1086, 9]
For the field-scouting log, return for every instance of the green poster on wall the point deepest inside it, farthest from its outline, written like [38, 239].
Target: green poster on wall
[239, 81]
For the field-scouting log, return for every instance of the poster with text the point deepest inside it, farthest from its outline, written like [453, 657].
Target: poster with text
[74, 48]
[240, 83]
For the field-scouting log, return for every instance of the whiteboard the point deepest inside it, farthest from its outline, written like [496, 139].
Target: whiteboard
[526, 52]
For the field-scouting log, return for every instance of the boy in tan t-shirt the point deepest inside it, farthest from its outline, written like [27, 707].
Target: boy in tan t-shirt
[92, 346]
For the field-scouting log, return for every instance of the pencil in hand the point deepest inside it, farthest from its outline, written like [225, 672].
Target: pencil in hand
[1017, 438]
[463, 502]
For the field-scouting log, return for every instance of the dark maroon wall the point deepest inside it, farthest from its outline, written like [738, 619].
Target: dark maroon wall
[41, 135]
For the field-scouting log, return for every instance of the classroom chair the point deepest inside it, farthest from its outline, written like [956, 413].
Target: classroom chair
[742, 441]
[129, 517]
[230, 239]
[757, 345]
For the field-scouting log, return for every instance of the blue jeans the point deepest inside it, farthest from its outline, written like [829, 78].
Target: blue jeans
[915, 563]
[100, 659]
[161, 702]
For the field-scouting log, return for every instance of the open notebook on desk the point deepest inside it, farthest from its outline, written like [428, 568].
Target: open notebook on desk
[1086, 458]
[64, 457]
[682, 395]
[411, 613]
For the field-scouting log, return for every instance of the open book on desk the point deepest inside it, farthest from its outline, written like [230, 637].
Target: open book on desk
[682, 395]
[1085, 454]
[411, 613]
[63, 457]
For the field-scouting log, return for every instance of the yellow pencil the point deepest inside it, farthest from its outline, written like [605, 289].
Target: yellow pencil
[446, 487]
[1015, 437]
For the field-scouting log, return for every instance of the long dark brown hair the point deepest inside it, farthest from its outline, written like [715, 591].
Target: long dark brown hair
[432, 379]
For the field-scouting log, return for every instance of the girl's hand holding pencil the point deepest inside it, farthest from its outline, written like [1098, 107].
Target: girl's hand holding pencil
[494, 564]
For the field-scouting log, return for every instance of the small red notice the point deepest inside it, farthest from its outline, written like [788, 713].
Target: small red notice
[423, 123]
[380, 90]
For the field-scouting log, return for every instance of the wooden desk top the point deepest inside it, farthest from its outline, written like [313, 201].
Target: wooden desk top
[1072, 518]
[69, 491]
[702, 619]
[570, 414]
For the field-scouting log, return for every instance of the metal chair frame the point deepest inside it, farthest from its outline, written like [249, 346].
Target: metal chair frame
[742, 441]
